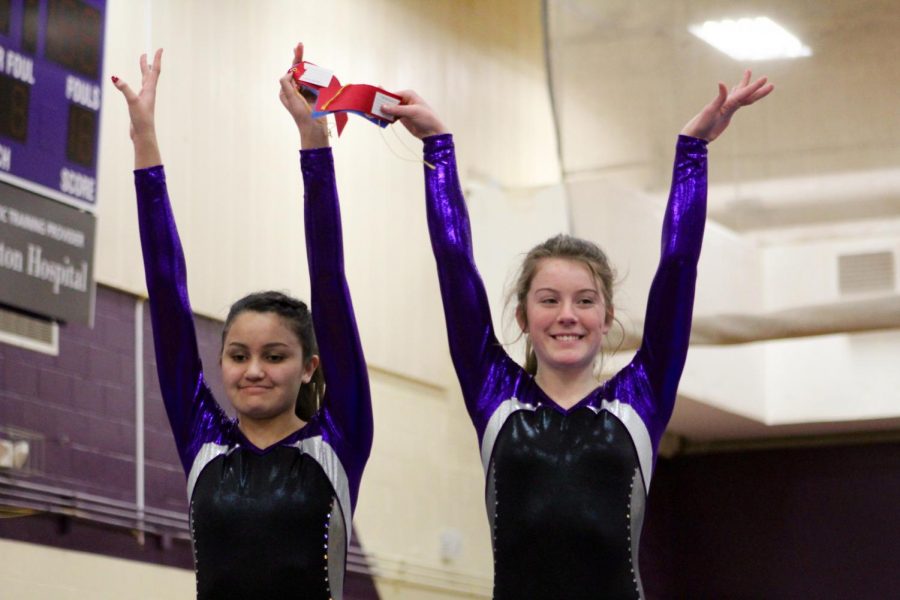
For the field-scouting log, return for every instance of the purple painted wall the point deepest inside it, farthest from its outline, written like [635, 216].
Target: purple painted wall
[81, 400]
[819, 522]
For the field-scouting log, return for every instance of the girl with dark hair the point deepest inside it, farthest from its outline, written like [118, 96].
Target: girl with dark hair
[568, 460]
[272, 492]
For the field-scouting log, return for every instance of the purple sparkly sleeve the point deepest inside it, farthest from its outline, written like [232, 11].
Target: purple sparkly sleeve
[477, 356]
[346, 414]
[667, 324]
[194, 416]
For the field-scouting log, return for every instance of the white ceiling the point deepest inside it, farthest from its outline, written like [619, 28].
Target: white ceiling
[817, 160]
[626, 75]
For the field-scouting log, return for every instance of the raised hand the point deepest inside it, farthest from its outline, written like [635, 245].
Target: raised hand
[416, 115]
[710, 122]
[141, 110]
[313, 131]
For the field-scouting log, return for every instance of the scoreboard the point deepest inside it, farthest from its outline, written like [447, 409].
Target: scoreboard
[51, 65]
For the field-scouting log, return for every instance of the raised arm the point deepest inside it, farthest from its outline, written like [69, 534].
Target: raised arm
[142, 112]
[347, 408]
[473, 344]
[174, 336]
[667, 325]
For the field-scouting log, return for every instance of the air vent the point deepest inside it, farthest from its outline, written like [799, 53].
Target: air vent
[28, 332]
[866, 273]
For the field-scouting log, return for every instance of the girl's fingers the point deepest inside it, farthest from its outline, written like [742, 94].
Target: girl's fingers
[723, 95]
[400, 110]
[760, 93]
[409, 97]
[287, 83]
[750, 93]
[752, 88]
[123, 87]
[157, 62]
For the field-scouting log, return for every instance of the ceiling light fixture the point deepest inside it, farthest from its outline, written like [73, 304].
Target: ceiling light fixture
[758, 38]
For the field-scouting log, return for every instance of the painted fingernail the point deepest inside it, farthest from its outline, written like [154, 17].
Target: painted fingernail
[115, 79]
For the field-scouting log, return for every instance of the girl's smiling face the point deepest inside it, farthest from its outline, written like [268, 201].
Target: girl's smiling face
[263, 366]
[565, 316]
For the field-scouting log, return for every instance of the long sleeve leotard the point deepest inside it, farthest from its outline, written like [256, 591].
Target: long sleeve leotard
[566, 489]
[273, 522]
